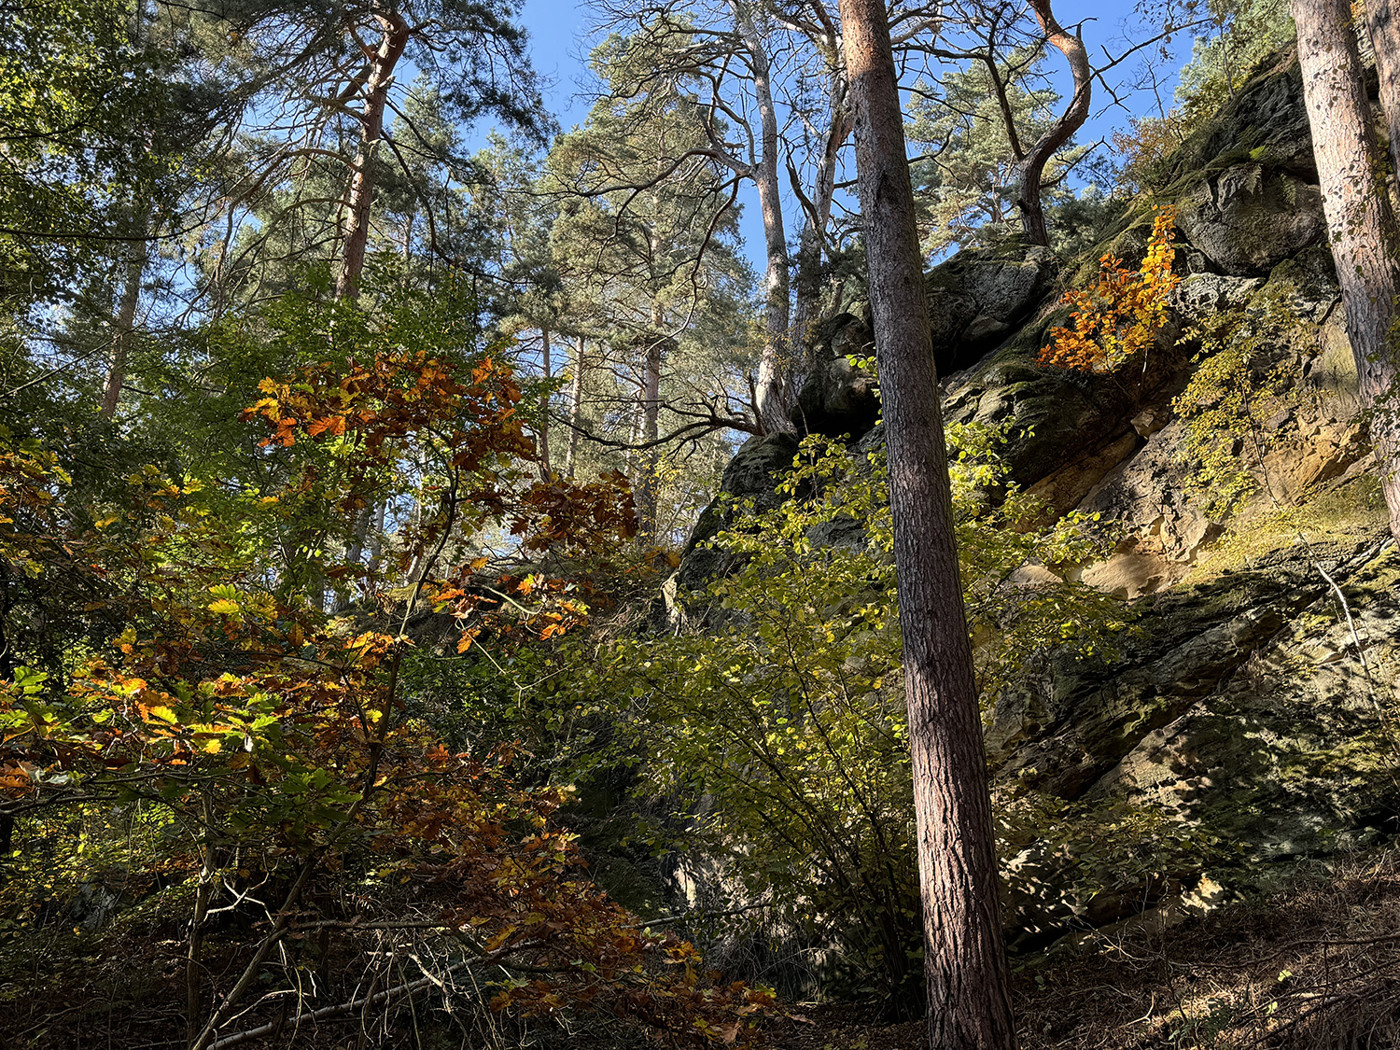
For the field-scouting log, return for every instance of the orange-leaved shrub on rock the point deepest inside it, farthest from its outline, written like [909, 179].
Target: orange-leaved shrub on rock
[1121, 315]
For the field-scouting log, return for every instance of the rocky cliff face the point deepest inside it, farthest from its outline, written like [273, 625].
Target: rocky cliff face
[1255, 694]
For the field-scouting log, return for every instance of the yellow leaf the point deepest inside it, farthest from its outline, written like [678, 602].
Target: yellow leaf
[163, 713]
[224, 607]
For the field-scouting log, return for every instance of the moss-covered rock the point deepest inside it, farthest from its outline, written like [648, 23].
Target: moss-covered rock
[754, 474]
[1248, 218]
[1292, 754]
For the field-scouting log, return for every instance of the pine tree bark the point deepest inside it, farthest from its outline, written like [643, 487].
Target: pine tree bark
[359, 200]
[1383, 27]
[965, 961]
[1032, 173]
[1360, 221]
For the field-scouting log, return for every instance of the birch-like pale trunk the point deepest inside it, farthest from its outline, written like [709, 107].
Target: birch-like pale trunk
[965, 963]
[1360, 221]
[774, 388]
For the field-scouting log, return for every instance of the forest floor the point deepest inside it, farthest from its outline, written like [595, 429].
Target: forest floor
[1317, 966]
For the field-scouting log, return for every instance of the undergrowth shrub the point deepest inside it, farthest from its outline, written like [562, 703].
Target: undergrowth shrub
[777, 737]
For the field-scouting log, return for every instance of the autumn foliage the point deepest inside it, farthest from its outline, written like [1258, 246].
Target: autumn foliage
[280, 774]
[1121, 315]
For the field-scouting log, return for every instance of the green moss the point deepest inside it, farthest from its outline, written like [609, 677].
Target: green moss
[1337, 517]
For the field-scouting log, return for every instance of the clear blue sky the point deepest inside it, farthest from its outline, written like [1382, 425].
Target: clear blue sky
[557, 44]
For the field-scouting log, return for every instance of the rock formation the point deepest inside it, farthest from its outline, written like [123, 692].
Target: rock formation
[1255, 694]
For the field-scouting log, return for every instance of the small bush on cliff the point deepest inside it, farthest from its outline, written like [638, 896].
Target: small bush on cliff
[1119, 318]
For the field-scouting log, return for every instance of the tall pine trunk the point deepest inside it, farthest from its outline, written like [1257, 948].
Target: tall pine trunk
[649, 461]
[359, 200]
[546, 470]
[965, 964]
[575, 407]
[1360, 221]
[774, 388]
[1032, 168]
[125, 336]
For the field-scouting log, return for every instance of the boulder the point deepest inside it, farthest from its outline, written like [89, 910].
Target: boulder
[755, 473]
[977, 297]
[1266, 123]
[976, 300]
[1203, 295]
[1248, 218]
[1065, 430]
[838, 398]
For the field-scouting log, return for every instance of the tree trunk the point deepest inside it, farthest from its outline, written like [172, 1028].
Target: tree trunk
[1365, 241]
[359, 200]
[1032, 174]
[545, 471]
[376, 542]
[964, 957]
[649, 457]
[809, 245]
[575, 407]
[774, 390]
[125, 336]
[1384, 30]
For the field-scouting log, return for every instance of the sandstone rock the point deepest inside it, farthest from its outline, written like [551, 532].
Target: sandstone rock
[1066, 430]
[975, 300]
[1202, 295]
[1248, 218]
[1288, 753]
[1149, 494]
[753, 474]
[838, 398]
[978, 295]
[1265, 122]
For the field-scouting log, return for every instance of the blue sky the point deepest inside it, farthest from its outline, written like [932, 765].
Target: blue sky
[559, 44]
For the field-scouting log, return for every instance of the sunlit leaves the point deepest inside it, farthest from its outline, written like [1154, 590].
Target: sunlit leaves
[212, 694]
[1120, 317]
[779, 730]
